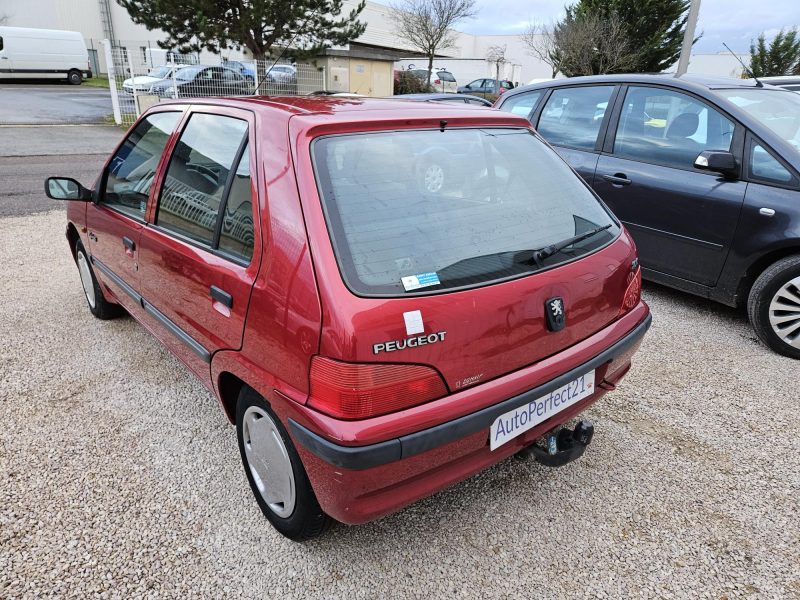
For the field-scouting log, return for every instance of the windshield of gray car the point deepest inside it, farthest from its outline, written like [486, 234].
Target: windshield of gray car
[777, 109]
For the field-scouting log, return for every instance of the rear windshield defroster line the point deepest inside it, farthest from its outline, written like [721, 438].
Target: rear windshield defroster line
[415, 212]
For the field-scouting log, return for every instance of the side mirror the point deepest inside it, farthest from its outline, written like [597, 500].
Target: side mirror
[717, 161]
[65, 188]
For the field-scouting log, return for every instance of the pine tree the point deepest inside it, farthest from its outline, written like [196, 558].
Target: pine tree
[653, 27]
[781, 57]
[258, 25]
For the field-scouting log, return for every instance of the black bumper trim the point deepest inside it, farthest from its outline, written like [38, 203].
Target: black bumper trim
[373, 455]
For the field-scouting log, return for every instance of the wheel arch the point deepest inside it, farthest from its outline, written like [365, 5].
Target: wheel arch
[759, 265]
[229, 386]
[73, 237]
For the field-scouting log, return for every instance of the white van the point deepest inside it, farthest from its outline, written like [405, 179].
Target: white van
[43, 54]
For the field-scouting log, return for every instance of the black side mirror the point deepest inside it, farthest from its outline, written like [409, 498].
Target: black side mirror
[66, 188]
[717, 161]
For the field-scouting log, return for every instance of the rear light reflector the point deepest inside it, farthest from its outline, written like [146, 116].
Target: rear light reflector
[437, 82]
[633, 293]
[361, 391]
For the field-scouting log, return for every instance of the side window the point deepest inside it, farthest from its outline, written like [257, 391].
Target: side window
[521, 104]
[133, 168]
[236, 234]
[572, 116]
[669, 128]
[1, 42]
[198, 174]
[446, 76]
[766, 167]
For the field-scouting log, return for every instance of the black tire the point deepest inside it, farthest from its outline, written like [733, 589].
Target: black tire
[764, 290]
[307, 519]
[74, 77]
[102, 309]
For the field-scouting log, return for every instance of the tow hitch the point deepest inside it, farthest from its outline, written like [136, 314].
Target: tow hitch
[563, 446]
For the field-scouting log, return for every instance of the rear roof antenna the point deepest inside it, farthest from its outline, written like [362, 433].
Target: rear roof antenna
[744, 66]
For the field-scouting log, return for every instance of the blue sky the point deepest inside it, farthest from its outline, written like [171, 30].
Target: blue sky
[731, 21]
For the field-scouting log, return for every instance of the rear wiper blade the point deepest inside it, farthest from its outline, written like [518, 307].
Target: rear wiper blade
[542, 253]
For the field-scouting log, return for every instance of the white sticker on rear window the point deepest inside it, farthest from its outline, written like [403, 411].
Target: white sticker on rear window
[414, 282]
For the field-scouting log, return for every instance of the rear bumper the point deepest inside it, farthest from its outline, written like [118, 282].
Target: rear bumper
[358, 483]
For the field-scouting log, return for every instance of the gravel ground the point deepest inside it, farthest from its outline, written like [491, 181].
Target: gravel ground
[120, 476]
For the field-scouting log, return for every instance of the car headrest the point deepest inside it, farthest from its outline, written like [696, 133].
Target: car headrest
[684, 125]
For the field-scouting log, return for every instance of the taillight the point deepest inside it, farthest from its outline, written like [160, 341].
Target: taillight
[438, 81]
[360, 391]
[633, 292]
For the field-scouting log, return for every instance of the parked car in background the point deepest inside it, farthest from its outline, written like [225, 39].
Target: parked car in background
[281, 73]
[789, 82]
[486, 87]
[245, 69]
[144, 83]
[200, 80]
[451, 98]
[43, 54]
[705, 172]
[441, 80]
[434, 333]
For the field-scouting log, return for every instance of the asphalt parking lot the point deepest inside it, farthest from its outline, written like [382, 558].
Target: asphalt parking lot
[56, 103]
[120, 474]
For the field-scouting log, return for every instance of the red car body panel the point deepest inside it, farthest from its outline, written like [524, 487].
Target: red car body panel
[291, 304]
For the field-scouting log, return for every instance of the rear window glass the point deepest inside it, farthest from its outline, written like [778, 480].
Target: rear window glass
[421, 211]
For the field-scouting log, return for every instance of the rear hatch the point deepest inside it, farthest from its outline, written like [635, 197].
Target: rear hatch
[455, 244]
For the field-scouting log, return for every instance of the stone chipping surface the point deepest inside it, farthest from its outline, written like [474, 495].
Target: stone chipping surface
[120, 476]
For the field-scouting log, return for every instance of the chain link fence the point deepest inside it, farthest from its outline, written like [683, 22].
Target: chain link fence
[136, 82]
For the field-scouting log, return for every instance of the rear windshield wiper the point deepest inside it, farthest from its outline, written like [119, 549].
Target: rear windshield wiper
[543, 253]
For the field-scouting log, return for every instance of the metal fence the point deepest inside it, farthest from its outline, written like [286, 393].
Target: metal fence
[136, 83]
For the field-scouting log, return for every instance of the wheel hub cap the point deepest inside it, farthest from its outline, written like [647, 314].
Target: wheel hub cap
[784, 312]
[268, 461]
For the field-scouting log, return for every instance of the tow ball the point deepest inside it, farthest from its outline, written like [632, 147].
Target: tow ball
[563, 446]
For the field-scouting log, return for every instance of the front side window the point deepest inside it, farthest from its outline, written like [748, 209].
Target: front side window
[133, 168]
[198, 174]
[766, 167]
[572, 116]
[521, 104]
[461, 207]
[669, 128]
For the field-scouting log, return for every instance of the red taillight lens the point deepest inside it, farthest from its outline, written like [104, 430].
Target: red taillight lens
[438, 81]
[633, 293]
[360, 391]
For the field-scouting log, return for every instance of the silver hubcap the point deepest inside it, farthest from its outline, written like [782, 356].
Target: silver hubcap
[86, 278]
[434, 178]
[784, 313]
[268, 461]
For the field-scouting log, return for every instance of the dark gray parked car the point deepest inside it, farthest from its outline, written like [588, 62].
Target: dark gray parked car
[704, 172]
[486, 87]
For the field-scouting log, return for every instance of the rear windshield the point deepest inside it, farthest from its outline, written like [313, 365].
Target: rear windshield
[422, 211]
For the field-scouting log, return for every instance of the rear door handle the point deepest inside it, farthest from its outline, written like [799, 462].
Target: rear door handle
[129, 244]
[221, 296]
[617, 179]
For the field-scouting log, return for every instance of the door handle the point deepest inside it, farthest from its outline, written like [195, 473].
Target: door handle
[617, 179]
[129, 244]
[221, 296]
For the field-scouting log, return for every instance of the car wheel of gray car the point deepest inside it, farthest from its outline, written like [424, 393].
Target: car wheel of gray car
[98, 305]
[74, 77]
[275, 472]
[774, 306]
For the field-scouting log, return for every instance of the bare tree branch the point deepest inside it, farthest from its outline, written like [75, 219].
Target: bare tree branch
[540, 42]
[427, 24]
[497, 56]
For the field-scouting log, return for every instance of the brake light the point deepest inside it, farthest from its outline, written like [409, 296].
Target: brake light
[361, 391]
[438, 81]
[633, 292]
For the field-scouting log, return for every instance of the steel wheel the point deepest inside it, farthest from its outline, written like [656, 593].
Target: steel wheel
[434, 178]
[268, 461]
[86, 279]
[784, 312]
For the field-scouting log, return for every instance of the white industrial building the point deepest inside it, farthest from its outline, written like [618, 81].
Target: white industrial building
[374, 55]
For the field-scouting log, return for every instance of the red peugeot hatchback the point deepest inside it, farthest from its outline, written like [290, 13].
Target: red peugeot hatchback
[386, 297]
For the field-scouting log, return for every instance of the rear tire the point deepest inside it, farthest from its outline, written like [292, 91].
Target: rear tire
[275, 472]
[773, 306]
[98, 305]
[74, 77]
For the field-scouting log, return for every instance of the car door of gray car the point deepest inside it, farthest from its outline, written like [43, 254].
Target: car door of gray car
[682, 219]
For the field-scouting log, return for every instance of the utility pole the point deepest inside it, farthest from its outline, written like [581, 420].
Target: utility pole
[688, 38]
